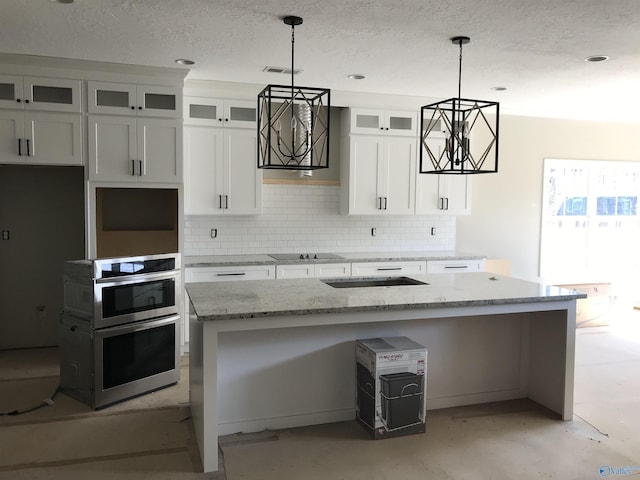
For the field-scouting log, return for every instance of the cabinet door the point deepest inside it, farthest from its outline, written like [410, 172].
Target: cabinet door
[454, 266]
[203, 111]
[295, 271]
[159, 101]
[240, 114]
[54, 138]
[112, 98]
[160, 150]
[365, 170]
[11, 91]
[399, 175]
[229, 274]
[401, 123]
[367, 121]
[242, 187]
[12, 142]
[430, 198]
[457, 194]
[388, 269]
[203, 151]
[113, 149]
[57, 94]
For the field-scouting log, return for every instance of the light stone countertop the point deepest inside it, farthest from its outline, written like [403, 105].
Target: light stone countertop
[267, 298]
[349, 257]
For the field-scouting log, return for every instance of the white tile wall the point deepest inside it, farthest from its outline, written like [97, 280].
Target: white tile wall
[307, 219]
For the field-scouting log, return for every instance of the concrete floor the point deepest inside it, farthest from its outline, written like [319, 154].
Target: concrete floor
[152, 436]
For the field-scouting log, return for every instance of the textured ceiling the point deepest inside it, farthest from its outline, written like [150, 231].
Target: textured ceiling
[534, 48]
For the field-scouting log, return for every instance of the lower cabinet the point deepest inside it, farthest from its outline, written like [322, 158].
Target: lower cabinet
[372, 269]
[310, 270]
[455, 266]
[231, 273]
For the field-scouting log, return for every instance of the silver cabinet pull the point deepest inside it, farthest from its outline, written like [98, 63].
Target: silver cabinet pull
[384, 269]
[239, 274]
[456, 266]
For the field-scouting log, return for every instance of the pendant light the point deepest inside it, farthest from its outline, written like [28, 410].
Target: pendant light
[293, 122]
[459, 135]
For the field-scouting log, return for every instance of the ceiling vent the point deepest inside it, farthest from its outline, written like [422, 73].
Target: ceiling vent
[285, 70]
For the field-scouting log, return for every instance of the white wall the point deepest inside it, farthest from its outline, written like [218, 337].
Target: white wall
[506, 207]
[306, 218]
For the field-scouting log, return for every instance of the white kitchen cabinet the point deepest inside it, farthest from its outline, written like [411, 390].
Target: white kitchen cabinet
[221, 174]
[442, 194]
[313, 270]
[372, 269]
[40, 93]
[378, 175]
[131, 99]
[40, 138]
[230, 273]
[129, 149]
[383, 122]
[454, 266]
[220, 112]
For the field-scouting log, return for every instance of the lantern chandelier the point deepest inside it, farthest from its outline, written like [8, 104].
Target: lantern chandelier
[459, 135]
[293, 122]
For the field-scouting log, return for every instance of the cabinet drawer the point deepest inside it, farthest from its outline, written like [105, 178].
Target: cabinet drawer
[368, 269]
[295, 271]
[332, 270]
[226, 274]
[453, 266]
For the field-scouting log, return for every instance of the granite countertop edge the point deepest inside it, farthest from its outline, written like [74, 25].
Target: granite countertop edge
[349, 257]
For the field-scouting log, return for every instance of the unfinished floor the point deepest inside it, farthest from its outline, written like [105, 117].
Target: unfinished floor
[152, 436]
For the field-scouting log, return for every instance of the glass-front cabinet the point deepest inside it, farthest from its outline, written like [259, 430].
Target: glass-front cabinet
[219, 112]
[130, 99]
[390, 122]
[40, 93]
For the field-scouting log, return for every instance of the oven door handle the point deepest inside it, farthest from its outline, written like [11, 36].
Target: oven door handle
[136, 326]
[138, 278]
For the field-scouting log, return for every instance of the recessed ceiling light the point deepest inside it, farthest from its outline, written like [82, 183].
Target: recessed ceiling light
[597, 58]
[62, 1]
[498, 89]
[184, 61]
[356, 76]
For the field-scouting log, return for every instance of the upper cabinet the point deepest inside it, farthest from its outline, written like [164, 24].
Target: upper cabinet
[40, 93]
[131, 99]
[377, 172]
[442, 194]
[220, 155]
[219, 112]
[40, 121]
[381, 122]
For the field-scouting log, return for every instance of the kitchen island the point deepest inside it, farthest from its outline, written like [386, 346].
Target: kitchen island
[280, 353]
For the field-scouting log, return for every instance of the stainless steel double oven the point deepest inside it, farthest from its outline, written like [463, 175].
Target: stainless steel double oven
[120, 329]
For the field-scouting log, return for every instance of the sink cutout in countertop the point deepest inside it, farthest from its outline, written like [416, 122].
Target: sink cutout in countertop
[359, 282]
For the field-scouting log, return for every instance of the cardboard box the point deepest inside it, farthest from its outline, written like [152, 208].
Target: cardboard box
[592, 311]
[391, 386]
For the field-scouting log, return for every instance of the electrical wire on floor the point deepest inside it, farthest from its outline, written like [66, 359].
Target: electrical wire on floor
[46, 402]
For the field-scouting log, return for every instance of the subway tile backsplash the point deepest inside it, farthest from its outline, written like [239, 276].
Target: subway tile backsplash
[301, 218]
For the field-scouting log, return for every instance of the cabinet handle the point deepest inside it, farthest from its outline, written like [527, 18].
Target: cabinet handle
[140, 169]
[140, 108]
[441, 203]
[387, 128]
[447, 203]
[385, 203]
[456, 266]
[219, 119]
[20, 147]
[26, 100]
[18, 100]
[133, 167]
[133, 107]
[226, 119]
[219, 201]
[28, 152]
[239, 274]
[385, 269]
[226, 202]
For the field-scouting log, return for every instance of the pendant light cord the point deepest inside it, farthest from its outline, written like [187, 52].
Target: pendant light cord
[460, 72]
[293, 40]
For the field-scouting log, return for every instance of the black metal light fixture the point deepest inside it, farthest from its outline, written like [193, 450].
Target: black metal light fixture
[459, 135]
[293, 122]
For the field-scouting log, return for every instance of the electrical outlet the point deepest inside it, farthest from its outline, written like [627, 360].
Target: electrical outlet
[5, 234]
[214, 233]
[433, 231]
[373, 232]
